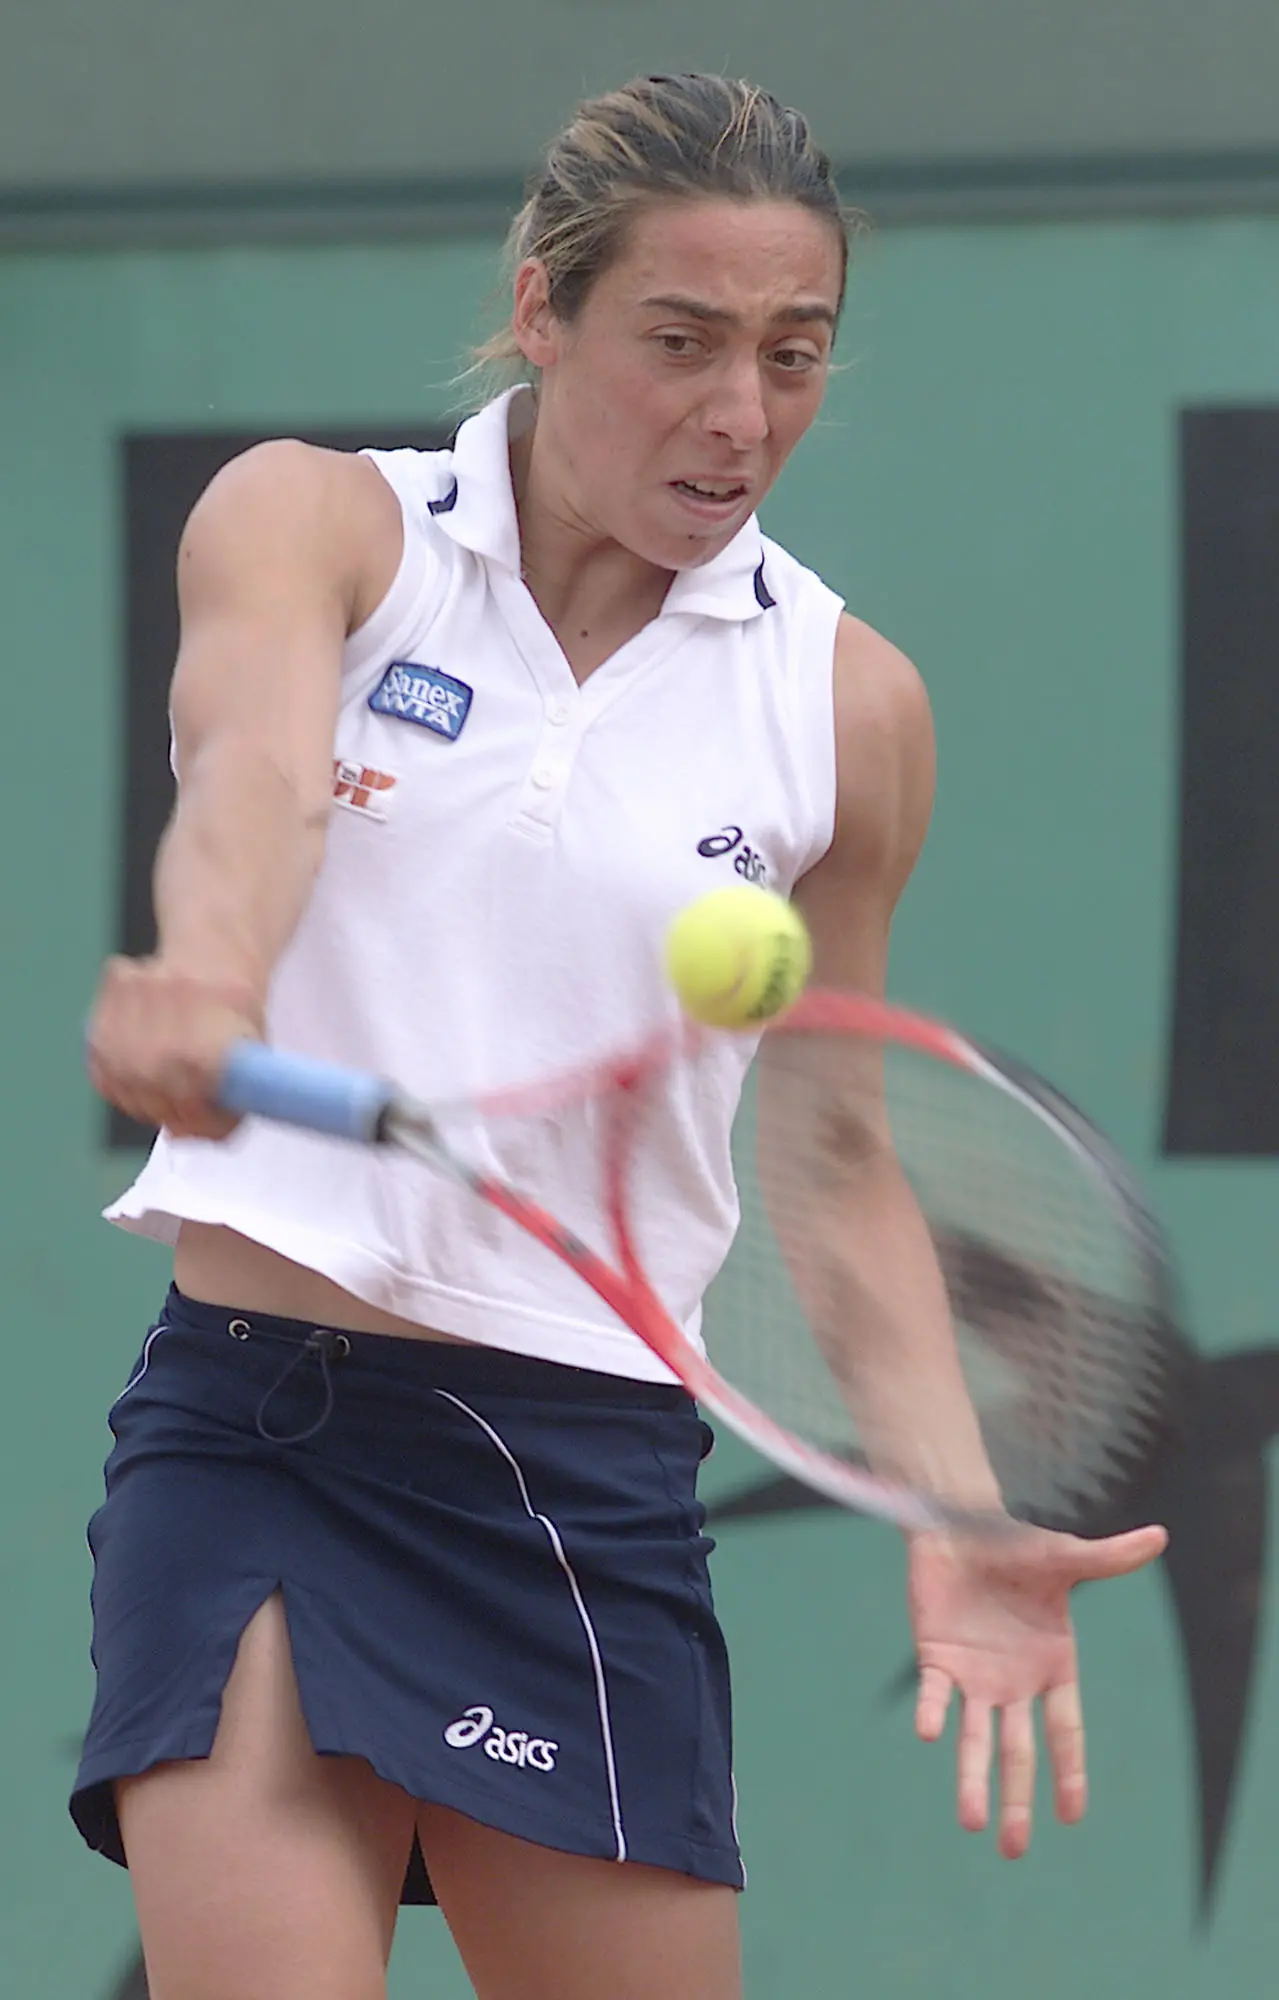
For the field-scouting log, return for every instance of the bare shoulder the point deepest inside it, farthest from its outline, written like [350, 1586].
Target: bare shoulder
[884, 797]
[878, 689]
[293, 514]
[884, 751]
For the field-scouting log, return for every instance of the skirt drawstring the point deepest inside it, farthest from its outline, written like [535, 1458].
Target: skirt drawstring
[329, 1347]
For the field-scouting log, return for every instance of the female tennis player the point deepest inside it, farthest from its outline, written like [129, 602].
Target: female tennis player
[400, 1570]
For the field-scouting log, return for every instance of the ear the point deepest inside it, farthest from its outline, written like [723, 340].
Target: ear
[538, 333]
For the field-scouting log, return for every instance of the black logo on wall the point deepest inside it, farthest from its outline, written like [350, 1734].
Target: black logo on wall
[1223, 1085]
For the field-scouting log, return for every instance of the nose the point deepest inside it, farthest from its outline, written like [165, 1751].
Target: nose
[735, 409]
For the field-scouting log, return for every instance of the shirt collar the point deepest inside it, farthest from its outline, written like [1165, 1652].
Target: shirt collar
[480, 515]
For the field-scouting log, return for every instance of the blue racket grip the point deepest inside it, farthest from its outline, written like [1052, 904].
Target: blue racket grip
[298, 1090]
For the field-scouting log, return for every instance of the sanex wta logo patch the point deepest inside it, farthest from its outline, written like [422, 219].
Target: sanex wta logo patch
[413, 693]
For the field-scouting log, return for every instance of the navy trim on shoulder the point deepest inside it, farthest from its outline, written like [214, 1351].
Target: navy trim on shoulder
[446, 505]
[763, 595]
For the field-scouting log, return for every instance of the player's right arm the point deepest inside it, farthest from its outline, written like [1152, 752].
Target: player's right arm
[288, 551]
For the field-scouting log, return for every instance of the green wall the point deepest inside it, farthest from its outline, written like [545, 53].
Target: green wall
[992, 483]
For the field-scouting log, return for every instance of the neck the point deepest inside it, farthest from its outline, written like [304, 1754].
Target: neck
[581, 579]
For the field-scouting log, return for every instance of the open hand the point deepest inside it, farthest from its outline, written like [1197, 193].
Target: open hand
[991, 1618]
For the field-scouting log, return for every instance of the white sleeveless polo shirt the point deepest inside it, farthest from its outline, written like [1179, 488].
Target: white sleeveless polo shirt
[505, 851]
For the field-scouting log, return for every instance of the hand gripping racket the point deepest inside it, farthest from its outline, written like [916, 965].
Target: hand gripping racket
[1018, 1232]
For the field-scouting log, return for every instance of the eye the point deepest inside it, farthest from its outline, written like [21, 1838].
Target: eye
[796, 360]
[678, 344]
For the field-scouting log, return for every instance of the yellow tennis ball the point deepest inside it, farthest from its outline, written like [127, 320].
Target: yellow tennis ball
[738, 956]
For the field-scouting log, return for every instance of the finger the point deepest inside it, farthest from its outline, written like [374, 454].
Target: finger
[1064, 1731]
[1016, 1778]
[975, 1736]
[932, 1703]
[180, 1117]
[1116, 1555]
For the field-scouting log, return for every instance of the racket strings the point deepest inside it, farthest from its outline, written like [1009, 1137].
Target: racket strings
[1050, 1271]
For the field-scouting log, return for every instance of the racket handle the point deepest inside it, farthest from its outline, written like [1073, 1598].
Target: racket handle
[298, 1090]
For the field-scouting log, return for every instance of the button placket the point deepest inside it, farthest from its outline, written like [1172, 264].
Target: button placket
[553, 760]
[569, 708]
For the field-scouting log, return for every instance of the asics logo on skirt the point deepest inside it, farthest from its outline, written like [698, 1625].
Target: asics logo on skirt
[504, 1746]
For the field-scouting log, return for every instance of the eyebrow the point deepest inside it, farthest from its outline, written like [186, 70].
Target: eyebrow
[689, 308]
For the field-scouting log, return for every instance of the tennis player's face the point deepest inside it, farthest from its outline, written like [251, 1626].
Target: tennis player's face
[696, 363]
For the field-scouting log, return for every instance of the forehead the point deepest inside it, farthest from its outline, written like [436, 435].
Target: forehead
[755, 258]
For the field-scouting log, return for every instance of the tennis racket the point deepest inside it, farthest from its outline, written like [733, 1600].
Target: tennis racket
[1039, 1249]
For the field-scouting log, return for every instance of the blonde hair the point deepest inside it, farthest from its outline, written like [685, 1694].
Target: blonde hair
[659, 138]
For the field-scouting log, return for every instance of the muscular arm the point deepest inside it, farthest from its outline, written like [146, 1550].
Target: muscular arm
[873, 1288]
[990, 1615]
[287, 552]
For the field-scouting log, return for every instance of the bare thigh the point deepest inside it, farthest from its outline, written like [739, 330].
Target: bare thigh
[265, 1872]
[534, 1924]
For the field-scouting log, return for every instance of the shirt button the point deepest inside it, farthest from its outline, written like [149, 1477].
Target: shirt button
[557, 712]
[543, 777]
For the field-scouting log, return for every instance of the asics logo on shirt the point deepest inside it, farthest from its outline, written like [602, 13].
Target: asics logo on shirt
[413, 693]
[504, 1746]
[747, 860]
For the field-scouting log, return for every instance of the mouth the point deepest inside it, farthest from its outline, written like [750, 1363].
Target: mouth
[713, 499]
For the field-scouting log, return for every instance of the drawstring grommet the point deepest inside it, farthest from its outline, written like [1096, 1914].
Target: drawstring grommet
[330, 1347]
[239, 1329]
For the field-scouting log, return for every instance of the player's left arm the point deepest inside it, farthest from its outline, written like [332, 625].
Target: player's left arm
[885, 781]
[888, 1332]
[991, 1617]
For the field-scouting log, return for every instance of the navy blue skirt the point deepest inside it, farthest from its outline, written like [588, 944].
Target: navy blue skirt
[493, 1570]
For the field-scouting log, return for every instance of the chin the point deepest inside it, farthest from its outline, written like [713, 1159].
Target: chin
[677, 549]
[694, 555]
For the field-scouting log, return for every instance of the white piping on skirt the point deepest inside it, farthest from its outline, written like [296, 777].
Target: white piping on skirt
[152, 1337]
[553, 1536]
